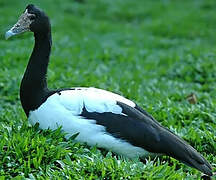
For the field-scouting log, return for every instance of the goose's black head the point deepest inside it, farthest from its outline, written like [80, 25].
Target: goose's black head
[33, 19]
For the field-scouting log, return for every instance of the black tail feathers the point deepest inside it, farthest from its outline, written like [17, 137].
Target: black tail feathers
[182, 151]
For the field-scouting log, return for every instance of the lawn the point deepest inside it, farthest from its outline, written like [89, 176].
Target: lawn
[153, 52]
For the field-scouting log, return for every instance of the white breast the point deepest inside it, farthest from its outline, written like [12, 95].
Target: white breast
[64, 110]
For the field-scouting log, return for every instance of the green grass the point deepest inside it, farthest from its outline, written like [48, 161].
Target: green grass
[153, 52]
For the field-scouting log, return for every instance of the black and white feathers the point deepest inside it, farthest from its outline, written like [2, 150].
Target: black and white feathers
[100, 117]
[113, 122]
[93, 113]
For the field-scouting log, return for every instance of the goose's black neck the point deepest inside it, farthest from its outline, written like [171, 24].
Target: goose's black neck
[34, 90]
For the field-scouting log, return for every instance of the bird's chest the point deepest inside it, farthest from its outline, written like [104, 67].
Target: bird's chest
[52, 114]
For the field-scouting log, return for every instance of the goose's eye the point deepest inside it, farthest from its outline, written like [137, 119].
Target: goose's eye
[32, 17]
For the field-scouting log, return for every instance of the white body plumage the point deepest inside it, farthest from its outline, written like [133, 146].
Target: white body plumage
[64, 109]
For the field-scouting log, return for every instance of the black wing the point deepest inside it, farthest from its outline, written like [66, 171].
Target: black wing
[140, 129]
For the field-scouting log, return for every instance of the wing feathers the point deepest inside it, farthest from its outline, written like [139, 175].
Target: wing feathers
[174, 146]
[142, 130]
[126, 121]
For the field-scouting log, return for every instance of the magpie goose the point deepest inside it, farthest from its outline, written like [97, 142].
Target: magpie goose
[100, 117]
